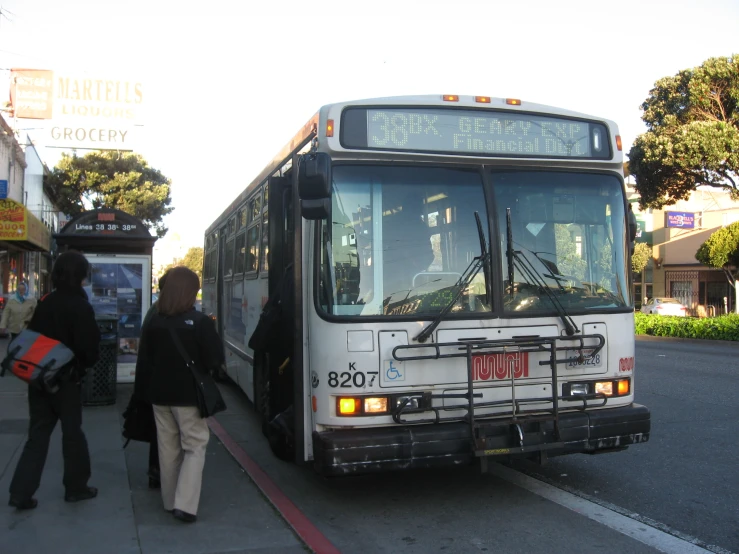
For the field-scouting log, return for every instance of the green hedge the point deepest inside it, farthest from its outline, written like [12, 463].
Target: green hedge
[724, 327]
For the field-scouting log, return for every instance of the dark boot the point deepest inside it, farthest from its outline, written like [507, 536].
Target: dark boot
[154, 481]
[184, 516]
[22, 503]
[86, 494]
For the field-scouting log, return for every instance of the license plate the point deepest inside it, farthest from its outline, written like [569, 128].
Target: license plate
[589, 360]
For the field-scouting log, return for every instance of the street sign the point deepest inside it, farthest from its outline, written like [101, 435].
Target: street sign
[3, 188]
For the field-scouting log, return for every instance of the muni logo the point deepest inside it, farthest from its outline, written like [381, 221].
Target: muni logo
[487, 367]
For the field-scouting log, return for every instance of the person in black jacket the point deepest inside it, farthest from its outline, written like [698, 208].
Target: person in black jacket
[182, 433]
[64, 315]
[141, 391]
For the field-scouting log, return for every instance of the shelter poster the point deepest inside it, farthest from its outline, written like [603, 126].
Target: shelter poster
[116, 288]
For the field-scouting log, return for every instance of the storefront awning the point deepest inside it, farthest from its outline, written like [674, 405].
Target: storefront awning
[22, 228]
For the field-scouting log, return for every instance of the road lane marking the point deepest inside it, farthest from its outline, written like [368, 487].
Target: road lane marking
[638, 530]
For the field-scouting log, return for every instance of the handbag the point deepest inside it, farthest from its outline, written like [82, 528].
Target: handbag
[210, 401]
[138, 421]
[40, 361]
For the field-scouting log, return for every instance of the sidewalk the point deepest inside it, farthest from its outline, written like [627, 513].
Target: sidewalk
[126, 517]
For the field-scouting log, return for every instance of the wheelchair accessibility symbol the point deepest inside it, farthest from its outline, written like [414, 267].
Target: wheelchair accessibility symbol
[394, 370]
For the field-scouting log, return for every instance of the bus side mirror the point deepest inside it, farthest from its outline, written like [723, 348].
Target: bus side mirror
[314, 185]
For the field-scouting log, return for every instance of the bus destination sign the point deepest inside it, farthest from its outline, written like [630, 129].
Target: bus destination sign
[106, 223]
[474, 132]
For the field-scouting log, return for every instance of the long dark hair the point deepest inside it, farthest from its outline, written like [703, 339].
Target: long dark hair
[70, 269]
[180, 293]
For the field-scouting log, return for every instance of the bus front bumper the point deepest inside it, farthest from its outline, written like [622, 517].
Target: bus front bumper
[355, 451]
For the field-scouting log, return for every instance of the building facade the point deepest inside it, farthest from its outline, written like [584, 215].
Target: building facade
[25, 240]
[675, 234]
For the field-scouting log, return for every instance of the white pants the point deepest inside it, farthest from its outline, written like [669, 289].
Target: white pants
[183, 437]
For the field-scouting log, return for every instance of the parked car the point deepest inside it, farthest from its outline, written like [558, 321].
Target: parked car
[664, 306]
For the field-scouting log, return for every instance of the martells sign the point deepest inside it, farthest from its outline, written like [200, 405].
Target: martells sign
[82, 111]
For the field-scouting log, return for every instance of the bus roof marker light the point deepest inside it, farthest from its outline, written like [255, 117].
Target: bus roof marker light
[513, 101]
[618, 143]
[450, 98]
[330, 128]
[482, 99]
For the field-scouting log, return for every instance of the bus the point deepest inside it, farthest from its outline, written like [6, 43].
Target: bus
[428, 281]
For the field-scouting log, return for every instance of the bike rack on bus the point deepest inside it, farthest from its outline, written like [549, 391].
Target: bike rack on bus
[517, 416]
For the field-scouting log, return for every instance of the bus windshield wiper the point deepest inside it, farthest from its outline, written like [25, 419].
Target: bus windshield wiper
[518, 260]
[478, 262]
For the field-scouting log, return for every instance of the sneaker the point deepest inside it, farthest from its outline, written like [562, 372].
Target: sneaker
[184, 516]
[85, 494]
[22, 504]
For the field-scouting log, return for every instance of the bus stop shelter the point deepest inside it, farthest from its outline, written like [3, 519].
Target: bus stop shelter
[119, 248]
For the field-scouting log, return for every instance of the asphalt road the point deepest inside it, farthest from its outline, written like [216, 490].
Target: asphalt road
[687, 476]
[683, 481]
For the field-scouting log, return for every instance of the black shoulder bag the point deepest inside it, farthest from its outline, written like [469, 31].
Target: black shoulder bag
[210, 401]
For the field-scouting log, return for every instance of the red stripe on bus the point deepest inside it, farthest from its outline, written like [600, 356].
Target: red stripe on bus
[308, 533]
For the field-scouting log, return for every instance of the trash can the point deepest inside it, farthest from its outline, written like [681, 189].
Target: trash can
[98, 385]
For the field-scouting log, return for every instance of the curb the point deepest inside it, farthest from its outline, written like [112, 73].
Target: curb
[707, 342]
[308, 533]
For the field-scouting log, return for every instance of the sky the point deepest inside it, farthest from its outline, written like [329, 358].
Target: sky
[227, 84]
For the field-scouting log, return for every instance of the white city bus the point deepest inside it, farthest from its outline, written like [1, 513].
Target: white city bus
[452, 279]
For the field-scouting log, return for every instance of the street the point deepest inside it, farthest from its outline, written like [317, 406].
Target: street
[675, 493]
[682, 481]
[686, 475]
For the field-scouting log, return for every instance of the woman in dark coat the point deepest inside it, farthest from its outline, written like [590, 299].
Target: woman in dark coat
[141, 395]
[182, 433]
[64, 315]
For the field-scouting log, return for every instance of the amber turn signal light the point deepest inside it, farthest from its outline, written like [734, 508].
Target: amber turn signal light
[349, 406]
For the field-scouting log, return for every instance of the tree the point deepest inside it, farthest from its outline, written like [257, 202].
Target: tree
[692, 136]
[110, 179]
[721, 251]
[640, 257]
[193, 259]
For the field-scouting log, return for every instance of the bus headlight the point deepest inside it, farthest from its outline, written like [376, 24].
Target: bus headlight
[619, 387]
[412, 402]
[611, 388]
[375, 405]
[578, 388]
[361, 405]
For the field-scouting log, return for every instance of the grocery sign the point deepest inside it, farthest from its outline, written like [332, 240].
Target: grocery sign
[81, 111]
[681, 220]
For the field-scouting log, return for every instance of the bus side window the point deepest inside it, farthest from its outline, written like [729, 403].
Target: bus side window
[252, 248]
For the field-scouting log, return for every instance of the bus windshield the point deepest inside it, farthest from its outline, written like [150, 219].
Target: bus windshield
[569, 228]
[399, 239]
